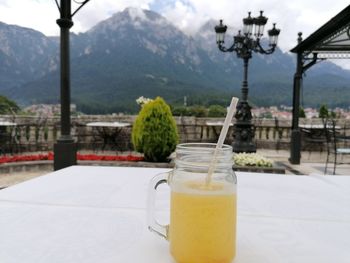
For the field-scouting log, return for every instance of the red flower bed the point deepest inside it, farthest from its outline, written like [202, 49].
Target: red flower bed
[81, 157]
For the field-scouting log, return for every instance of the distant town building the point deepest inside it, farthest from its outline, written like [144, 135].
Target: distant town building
[48, 110]
[285, 113]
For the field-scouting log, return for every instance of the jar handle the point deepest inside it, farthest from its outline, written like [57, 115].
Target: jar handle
[153, 225]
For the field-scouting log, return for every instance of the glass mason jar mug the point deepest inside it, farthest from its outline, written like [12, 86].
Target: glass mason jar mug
[202, 225]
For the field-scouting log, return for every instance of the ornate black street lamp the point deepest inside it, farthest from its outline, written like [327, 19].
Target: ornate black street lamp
[65, 149]
[243, 45]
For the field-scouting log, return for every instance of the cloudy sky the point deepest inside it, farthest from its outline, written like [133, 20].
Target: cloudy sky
[290, 16]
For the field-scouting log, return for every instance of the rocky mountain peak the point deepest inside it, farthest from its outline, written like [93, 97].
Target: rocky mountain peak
[138, 14]
[131, 17]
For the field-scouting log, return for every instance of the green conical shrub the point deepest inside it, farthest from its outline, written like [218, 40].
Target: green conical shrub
[154, 131]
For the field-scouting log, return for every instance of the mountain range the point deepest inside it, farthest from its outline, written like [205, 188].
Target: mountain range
[140, 53]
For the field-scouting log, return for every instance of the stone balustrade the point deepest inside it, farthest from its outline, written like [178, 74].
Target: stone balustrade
[39, 134]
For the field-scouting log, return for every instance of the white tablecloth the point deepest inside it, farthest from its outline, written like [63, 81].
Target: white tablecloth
[97, 215]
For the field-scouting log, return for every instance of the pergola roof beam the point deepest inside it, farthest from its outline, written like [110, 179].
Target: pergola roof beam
[325, 38]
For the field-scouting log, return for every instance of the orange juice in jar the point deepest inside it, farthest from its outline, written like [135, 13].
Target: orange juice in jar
[202, 224]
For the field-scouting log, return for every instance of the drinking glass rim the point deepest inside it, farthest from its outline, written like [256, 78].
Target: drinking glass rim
[202, 146]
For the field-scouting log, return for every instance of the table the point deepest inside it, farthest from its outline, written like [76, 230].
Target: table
[109, 132]
[316, 126]
[7, 123]
[105, 124]
[215, 124]
[314, 136]
[97, 214]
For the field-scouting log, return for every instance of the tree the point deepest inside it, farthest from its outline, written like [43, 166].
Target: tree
[8, 106]
[217, 111]
[154, 131]
[323, 112]
[301, 112]
[180, 111]
[198, 111]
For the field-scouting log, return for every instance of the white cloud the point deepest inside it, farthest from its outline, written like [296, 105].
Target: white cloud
[40, 15]
[291, 16]
[97, 10]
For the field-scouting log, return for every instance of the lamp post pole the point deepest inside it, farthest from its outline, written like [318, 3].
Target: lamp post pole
[244, 129]
[65, 149]
[244, 45]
